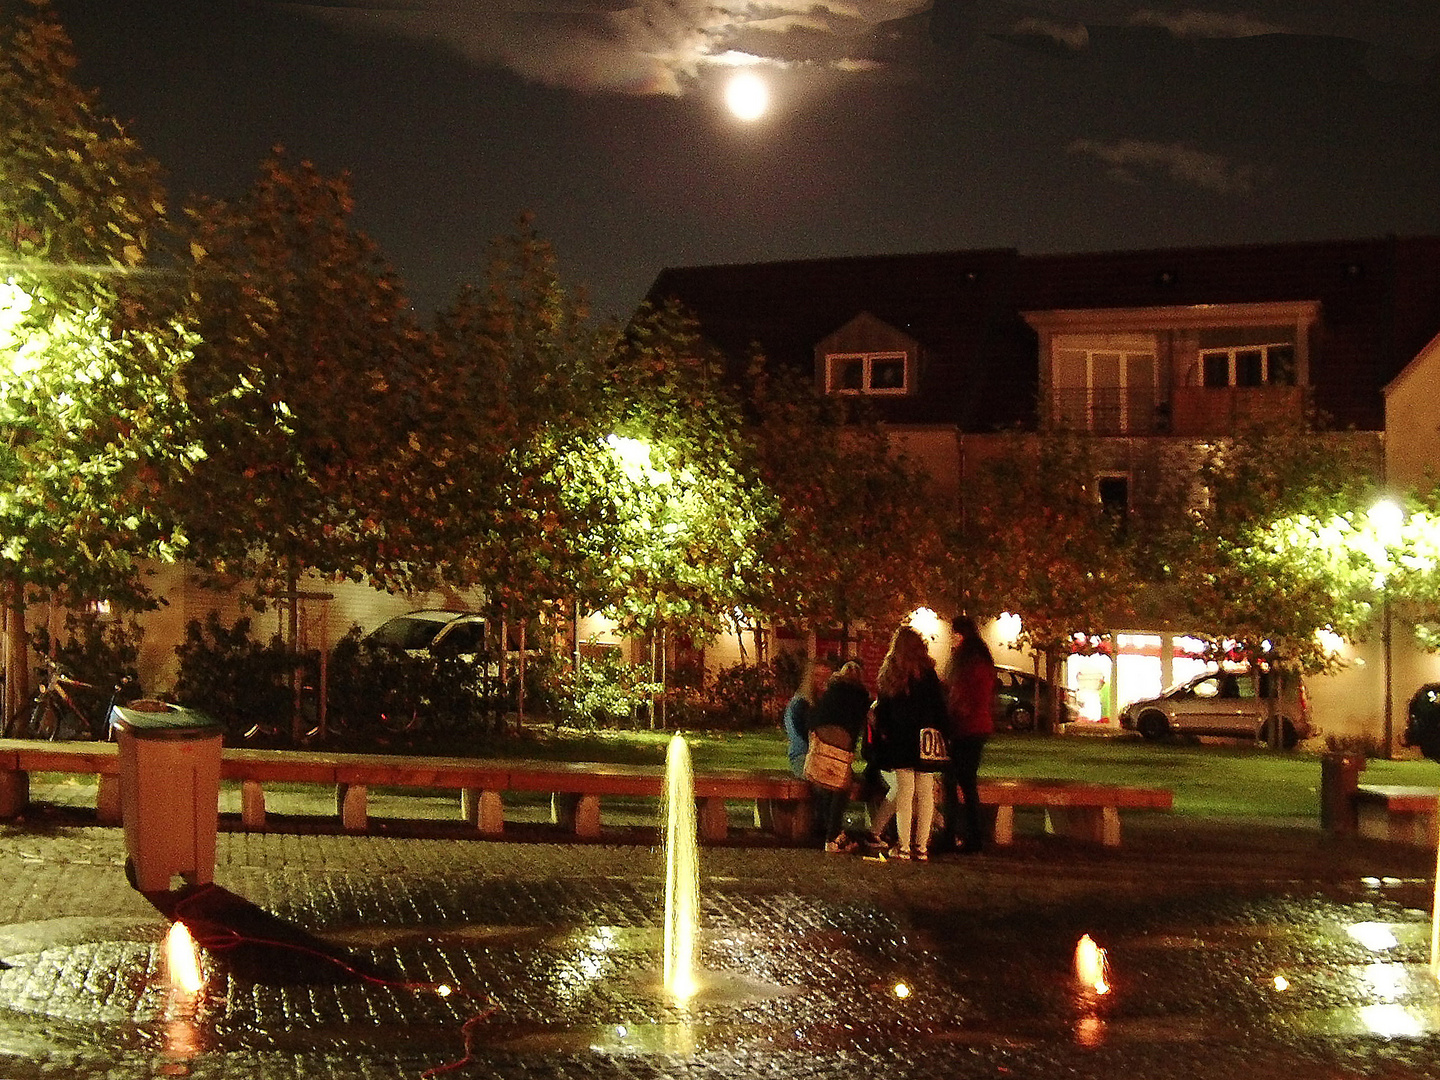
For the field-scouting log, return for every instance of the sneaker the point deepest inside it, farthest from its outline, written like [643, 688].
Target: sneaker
[921, 856]
[900, 855]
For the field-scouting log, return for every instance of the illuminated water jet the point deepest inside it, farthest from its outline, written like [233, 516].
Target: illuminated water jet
[1091, 966]
[182, 965]
[682, 872]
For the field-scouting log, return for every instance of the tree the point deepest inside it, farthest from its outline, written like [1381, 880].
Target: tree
[1267, 564]
[1037, 541]
[94, 418]
[858, 536]
[308, 363]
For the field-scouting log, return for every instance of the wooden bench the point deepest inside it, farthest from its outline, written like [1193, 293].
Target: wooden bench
[1080, 810]
[781, 802]
[1402, 813]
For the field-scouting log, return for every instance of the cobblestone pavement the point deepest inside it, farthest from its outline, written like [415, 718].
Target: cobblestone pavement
[324, 957]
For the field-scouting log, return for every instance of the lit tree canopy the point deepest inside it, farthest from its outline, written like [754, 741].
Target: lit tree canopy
[89, 350]
[1270, 560]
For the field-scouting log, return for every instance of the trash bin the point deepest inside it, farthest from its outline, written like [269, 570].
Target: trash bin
[1339, 779]
[169, 793]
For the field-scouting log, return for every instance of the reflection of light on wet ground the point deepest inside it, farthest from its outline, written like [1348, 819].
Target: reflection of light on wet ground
[1375, 936]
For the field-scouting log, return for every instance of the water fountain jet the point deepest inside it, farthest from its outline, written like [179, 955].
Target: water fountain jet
[682, 872]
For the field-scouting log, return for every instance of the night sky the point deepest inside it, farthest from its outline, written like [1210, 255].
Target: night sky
[1068, 125]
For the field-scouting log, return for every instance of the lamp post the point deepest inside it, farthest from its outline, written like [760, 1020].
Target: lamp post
[1386, 517]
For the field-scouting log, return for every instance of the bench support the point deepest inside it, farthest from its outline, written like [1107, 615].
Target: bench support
[107, 801]
[252, 805]
[350, 799]
[713, 822]
[14, 793]
[1095, 824]
[484, 810]
[579, 814]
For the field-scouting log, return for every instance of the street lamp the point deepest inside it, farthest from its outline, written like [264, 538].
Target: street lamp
[1386, 518]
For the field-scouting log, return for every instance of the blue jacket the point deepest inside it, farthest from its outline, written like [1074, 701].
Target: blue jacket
[798, 732]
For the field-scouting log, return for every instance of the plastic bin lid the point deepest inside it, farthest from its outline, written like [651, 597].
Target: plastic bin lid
[174, 723]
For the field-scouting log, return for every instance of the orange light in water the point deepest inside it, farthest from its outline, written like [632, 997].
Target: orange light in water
[902, 990]
[1091, 967]
[1282, 983]
[181, 961]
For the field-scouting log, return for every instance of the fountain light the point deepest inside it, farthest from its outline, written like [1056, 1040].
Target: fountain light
[1091, 966]
[902, 991]
[181, 960]
[1282, 983]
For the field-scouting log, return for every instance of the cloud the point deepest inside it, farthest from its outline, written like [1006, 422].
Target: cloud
[640, 46]
[1131, 160]
[1192, 24]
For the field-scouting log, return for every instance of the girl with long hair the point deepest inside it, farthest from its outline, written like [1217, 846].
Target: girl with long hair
[971, 690]
[910, 737]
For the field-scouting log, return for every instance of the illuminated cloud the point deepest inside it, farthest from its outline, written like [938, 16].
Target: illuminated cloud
[1208, 24]
[640, 47]
[1131, 160]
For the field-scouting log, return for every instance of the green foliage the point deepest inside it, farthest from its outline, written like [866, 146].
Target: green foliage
[748, 695]
[1269, 563]
[606, 691]
[1037, 542]
[89, 346]
[240, 682]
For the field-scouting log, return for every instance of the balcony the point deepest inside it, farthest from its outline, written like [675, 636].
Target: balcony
[1104, 410]
[1199, 410]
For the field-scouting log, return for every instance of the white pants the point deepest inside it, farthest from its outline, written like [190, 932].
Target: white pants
[914, 808]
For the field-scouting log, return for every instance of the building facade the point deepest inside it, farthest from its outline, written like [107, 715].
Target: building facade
[1149, 352]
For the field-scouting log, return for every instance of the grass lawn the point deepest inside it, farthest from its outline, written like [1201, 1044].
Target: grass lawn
[1212, 779]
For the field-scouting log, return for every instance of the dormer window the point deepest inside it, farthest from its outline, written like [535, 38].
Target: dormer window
[866, 373]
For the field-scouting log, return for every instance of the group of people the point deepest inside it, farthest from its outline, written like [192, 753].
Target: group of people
[919, 728]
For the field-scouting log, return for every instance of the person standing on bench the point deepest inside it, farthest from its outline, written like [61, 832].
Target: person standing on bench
[837, 719]
[970, 692]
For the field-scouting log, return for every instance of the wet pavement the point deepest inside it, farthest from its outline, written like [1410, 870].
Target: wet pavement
[1235, 950]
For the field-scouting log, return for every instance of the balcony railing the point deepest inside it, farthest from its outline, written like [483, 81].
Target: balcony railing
[1105, 410]
[1189, 410]
[1200, 410]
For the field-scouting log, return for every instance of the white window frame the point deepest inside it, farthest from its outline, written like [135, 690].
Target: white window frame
[869, 359]
[1230, 351]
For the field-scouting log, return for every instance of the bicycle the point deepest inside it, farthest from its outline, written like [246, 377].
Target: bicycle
[57, 715]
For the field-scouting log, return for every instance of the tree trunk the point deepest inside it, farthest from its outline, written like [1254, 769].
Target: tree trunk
[17, 656]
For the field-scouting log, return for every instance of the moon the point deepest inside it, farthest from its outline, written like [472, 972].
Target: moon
[747, 96]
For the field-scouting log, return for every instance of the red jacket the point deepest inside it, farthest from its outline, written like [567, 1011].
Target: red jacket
[969, 698]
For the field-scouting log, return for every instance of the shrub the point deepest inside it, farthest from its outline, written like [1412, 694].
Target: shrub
[94, 650]
[241, 683]
[748, 695]
[605, 692]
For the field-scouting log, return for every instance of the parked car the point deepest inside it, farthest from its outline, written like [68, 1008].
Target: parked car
[1021, 696]
[432, 632]
[1227, 702]
[1422, 728]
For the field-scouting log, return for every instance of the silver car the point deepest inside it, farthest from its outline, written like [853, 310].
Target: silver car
[1227, 703]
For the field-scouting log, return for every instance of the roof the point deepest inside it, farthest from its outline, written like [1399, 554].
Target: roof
[1379, 301]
